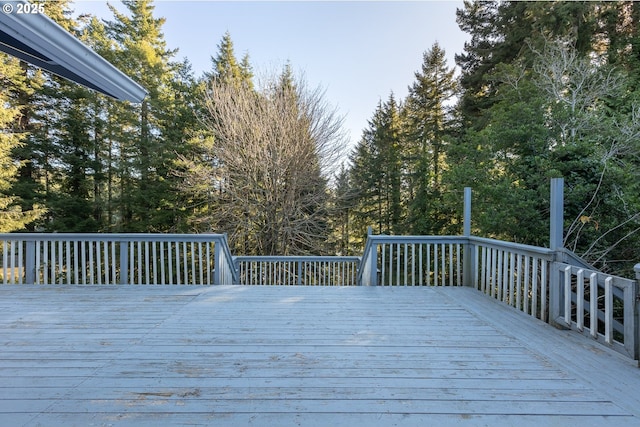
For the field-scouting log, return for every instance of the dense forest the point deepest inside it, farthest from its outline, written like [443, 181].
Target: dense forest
[544, 90]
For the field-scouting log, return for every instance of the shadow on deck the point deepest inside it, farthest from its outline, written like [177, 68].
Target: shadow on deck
[258, 355]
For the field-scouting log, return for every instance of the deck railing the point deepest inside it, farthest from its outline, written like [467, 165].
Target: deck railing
[297, 270]
[413, 260]
[553, 286]
[513, 273]
[87, 259]
[599, 305]
[535, 280]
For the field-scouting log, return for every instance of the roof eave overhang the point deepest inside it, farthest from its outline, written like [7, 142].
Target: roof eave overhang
[37, 39]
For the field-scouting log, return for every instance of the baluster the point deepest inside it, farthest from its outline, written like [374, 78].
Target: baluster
[512, 271]
[485, 270]
[436, 264]
[527, 283]
[459, 266]
[76, 256]
[193, 264]
[450, 264]
[406, 255]
[170, 263]
[67, 258]
[12, 262]
[428, 264]
[91, 265]
[38, 260]
[200, 270]
[580, 300]
[98, 263]
[105, 255]
[543, 291]
[154, 256]
[500, 254]
[593, 305]
[608, 310]
[147, 264]
[139, 264]
[567, 295]
[534, 286]
[185, 266]
[5, 262]
[420, 269]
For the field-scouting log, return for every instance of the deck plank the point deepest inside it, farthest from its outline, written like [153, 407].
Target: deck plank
[172, 355]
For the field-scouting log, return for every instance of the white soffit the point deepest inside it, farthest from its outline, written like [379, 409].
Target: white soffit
[38, 40]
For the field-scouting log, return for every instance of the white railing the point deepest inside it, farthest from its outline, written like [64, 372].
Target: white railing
[297, 270]
[97, 259]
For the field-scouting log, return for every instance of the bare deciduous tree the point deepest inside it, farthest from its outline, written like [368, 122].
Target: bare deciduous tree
[272, 151]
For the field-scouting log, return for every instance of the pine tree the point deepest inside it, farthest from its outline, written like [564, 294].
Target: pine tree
[428, 125]
[12, 215]
[145, 201]
[377, 171]
[226, 67]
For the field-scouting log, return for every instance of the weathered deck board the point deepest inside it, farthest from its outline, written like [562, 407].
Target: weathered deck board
[297, 356]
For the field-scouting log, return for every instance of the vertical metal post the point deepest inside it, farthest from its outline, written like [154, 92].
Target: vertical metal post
[468, 262]
[556, 242]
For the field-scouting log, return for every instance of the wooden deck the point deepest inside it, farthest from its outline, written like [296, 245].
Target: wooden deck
[310, 356]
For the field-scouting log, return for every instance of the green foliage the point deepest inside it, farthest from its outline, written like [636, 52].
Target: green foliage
[376, 173]
[546, 89]
[12, 216]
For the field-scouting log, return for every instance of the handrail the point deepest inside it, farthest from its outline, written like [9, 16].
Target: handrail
[520, 247]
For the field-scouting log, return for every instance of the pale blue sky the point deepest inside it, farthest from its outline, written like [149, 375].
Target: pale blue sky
[359, 52]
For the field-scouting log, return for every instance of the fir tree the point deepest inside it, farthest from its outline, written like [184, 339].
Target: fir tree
[428, 125]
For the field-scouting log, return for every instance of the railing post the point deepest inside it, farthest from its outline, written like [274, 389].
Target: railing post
[556, 243]
[468, 274]
[30, 263]
[636, 322]
[217, 263]
[124, 263]
[373, 265]
[556, 226]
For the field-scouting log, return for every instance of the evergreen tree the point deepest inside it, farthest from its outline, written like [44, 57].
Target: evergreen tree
[226, 67]
[12, 215]
[145, 201]
[377, 171]
[428, 124]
